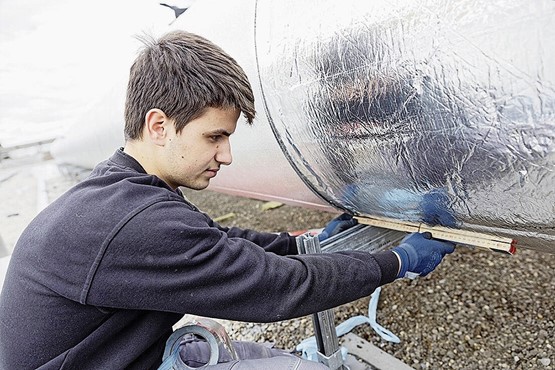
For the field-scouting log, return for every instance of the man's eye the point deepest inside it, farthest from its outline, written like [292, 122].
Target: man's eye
[215, 137]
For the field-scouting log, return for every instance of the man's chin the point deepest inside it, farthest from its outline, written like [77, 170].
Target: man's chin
[197, 186]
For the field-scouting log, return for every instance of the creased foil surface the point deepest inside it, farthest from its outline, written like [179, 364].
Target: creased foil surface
[434, 111]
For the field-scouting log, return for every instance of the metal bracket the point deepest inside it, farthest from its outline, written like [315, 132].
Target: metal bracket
[329, 352]
[359, 237]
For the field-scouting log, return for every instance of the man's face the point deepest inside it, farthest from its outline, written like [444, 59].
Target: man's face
[194, 156]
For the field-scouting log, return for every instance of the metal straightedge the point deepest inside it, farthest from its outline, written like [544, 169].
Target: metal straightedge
[363, 238]
[359, 237]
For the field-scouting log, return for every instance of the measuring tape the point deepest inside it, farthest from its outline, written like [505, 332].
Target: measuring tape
[458, 236]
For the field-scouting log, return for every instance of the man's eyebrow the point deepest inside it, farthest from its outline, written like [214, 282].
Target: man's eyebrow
[218, 132]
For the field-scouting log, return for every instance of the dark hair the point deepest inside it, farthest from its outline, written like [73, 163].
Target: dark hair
[182, 74]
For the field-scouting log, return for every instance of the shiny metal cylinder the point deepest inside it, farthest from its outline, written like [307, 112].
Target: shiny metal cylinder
[428, 110]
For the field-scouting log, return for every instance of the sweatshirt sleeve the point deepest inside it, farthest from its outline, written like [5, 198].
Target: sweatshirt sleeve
[169, 258]
[279, 243]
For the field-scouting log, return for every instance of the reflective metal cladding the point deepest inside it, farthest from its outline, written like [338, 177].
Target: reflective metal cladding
[434, 111]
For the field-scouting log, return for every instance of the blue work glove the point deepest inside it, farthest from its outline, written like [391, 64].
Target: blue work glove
[421, 254]
[436, 209]
[337, 225]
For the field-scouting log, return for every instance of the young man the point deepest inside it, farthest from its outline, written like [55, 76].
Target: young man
[100, 276]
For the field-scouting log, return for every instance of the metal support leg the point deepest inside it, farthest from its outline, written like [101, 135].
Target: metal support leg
[329, 352]
[359, 237]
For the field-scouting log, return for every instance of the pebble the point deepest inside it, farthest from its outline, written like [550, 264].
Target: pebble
[545, 362]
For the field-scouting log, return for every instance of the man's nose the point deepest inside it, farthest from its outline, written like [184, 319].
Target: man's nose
[223, 156]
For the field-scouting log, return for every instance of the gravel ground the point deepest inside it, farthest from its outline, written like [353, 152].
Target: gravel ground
[477, 310]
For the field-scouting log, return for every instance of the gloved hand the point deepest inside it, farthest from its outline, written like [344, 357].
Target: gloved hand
[337, 225]
[421, 254]
[436, 209]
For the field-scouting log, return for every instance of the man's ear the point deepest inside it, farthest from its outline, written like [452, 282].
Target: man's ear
[156, 126]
